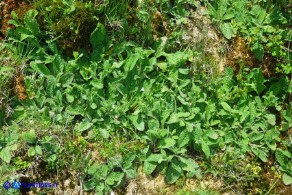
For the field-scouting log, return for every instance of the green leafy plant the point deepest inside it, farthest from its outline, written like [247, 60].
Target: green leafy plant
[144, 106]
[9, 143]
[222, 14]
[262, 24]
[103, 177]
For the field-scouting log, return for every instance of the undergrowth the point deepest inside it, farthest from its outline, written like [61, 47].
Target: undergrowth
[101, 107]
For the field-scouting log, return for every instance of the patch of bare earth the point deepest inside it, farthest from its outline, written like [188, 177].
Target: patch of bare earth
[144, 184]
[202, 36]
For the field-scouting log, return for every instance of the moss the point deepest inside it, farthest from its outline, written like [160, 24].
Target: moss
[73, 26]
[22, 9]
[6, 8]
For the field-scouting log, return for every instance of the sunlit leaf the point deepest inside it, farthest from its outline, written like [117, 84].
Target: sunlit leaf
[5, 155]
[226, 30]
[98, 35]
[84, 125]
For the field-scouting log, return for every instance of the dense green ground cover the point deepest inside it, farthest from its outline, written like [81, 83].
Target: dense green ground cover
[107, 93]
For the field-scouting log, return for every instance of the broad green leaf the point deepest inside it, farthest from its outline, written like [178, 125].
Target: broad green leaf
[138, 122]
[29, 137]
[97, 36]
[70, 98]
[19, 114]
[271, 119]
[13, 137]
[100, 188]
[52, 158]
[191, 166]
[277, 87]
[162, 66]
[176, 59]
[128, 161]
[183, 101]
[261, 16]
[25, 36]
[165, 114]
[12, 147]
[183, 139]
[173, 172]
[272, 145]
[131, 173]
[143, 15]
[256, 136]
[75, 110]
[260, 153]
[38, 150]
[5, 155]
[222, 8]
[121, 88]
[244, 145]
[258, 50]
[228, 16]
[211, 10]
[104, 133]
[227, 30]
[58, 67]
[184, 71]
[287, 179]
[104, 170]
[66, 79]
[206, 149]
[183, 114]
[149, 167]
[30, 21]
[166, 143]
[252, 111]
[269, 29]
[40, 68]
[84, 125]
[89, 185]
[215, 122]
[114, 177]
[244, 114]
[58, 98]
[93, 169]
[213, 135]
[97, 83]
[184, 83]
[131, 62]
[153, 124]
[175, 117]
[286, 153]
[226, 106]
[14, 15]
[259, 81]
[51, 85]
[118, 64]
[281, 159]
[6, 70]
[256, 9]
[155, 158]
[31, 151]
